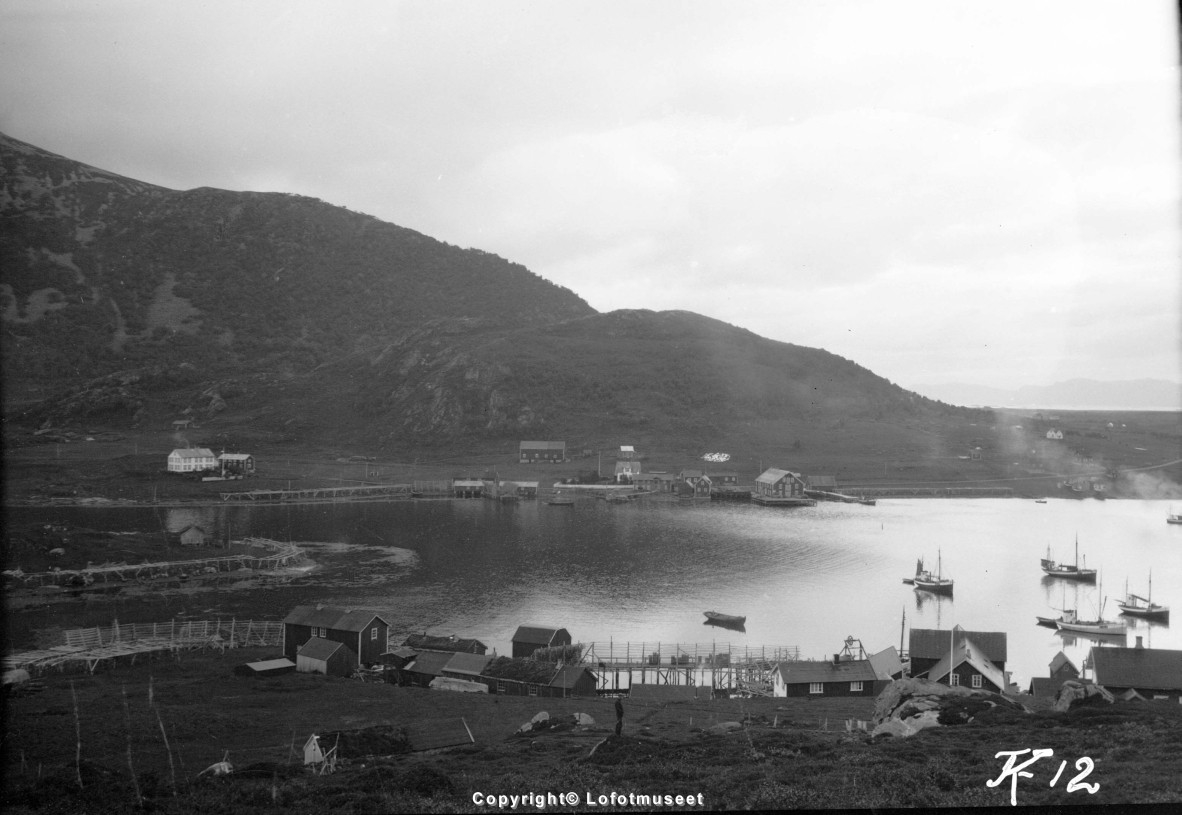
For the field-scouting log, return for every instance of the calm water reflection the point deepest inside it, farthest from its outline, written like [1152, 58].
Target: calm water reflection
[646, 572]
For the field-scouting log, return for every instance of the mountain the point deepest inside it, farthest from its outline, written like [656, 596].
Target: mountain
[1073, 394]
[129, 304]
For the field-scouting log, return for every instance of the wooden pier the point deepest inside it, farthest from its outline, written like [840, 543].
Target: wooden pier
[360, 492]
[283, 554]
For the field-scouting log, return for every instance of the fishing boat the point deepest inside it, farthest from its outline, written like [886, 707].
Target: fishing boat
[927, 581]
[1174, 517]
[1040, 500]
[1068, 571]
[1138, 606]
[718, 618]
[560, 500]
[1066, 615]
[1096, 626]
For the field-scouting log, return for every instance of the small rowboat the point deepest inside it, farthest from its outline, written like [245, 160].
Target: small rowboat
[724, 619]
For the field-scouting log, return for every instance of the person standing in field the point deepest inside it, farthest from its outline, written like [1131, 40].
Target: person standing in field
[619, 716]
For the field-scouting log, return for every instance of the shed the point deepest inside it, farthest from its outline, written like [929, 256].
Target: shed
[326, 657]
[266, 667]
[194, 535]
[363, 631]
[467, 488]
[426, 666]
[575, 680]
[465, 666]
[530, 638]
[399, 657]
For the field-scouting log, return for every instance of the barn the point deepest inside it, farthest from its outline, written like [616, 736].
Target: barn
[362, 631]
[530, 638]
[328, 657]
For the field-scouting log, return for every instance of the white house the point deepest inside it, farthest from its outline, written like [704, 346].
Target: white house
[1054, 434]
[191, 460]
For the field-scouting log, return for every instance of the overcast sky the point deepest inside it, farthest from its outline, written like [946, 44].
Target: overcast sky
[982, 192]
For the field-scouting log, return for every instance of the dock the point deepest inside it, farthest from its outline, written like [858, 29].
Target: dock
[719, 666]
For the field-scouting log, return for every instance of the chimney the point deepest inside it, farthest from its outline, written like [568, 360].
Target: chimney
[1139, 646]
[836, 658]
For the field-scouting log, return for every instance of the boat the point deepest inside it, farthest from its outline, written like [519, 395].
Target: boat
[927, 581]
[560, 500]
[1067, 615]
[718, 618]
[1040, 500]
[1174, 517]
[1096, 626]
[1138, 606]
[1068, 571]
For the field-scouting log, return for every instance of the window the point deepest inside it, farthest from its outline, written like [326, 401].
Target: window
[373, 633]
[953, 679]
[976, 680]
[501, 687]
[855, 687]
[816, 687]
[533, 690]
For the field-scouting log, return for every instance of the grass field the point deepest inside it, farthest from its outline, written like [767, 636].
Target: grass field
[789, 753]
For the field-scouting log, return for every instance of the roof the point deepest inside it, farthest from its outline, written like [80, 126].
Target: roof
[1046, 687]
[462, 663]
[431, 663]
[452, 643]
[886, 663]
[235, 456]
[691, 474]
[402, 652]
[627, 448]
[191, 452]
[568, 676]
[932, 643]
[854, 670]
[338, 619]
[271, 664]
[320, 648]
[543, 445]
[821, 480]
[1149, 668]
[536, 634]
[968, 651]
[773, 475]
[467, 482]
[1060, 660]
[722, 473]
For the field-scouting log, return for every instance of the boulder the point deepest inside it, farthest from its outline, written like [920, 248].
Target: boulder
[908, 706]
[722, 728]
[583, 720]
[1074, 692]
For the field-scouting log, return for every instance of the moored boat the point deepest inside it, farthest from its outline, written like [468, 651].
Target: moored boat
[1068, 571]
[1138, 606]
[1097, 626]
[1174, 517]
[926, 581]
[724, 619]
[560, 500]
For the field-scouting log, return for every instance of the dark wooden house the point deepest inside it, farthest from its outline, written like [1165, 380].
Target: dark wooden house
[1061, 669]
[466, 666]
[530, 638]
[574, 680]
[542, 451]
[1152, 673]
[776, 483]
[927, 646]
[426, 666]
[829, 678]
[362, 631]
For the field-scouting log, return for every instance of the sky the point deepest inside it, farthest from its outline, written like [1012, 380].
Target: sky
[980, 192]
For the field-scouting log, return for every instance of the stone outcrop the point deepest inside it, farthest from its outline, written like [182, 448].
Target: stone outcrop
[908, 706]
[1073, 693]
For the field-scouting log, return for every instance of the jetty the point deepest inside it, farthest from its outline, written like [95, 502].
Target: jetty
[720, 666]
[281, 555]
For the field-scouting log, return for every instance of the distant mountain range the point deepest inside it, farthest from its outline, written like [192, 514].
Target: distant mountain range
[1073, 394]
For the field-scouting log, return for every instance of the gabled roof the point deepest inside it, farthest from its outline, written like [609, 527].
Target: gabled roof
[968, 651]
[773, 475]
[431, 663]
[568, 676]
[854, 670]
[337, 619]
[467, 663]
[235, 456]
[1148, 668]
[320, 648]
[820, 480]
[536, 634]
[1060, 660]
[933, 643]
[191, 452]
[543, 445]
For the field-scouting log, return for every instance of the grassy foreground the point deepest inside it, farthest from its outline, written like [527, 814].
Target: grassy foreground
[73, 746]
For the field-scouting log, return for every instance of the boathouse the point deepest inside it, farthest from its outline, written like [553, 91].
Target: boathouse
[362, 631]
[328, 657]
[1152, 673]
[191, 460]
[552, 452]
[467, 488]
[574, 680]
[927, 646]
[776, 483]
[530, 638]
